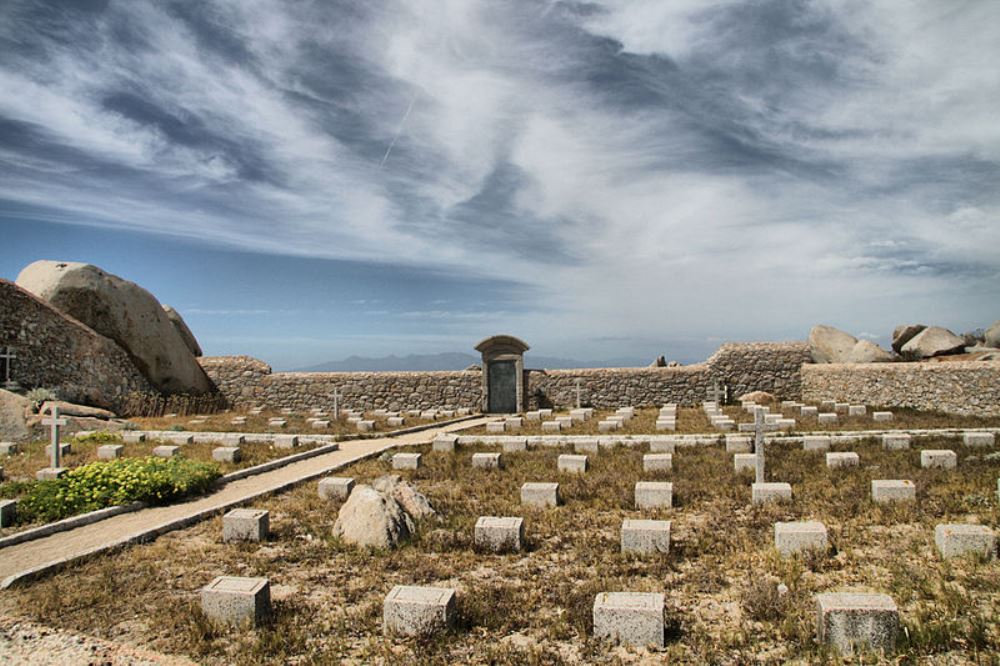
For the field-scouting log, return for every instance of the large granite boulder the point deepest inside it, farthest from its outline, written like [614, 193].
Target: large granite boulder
[182, 328]
[126, 313]
[758, 397]
[14, 410]
[933, 341]
[413, 502]
[373, 519]
[830, 345]
[867, 351]
[992, 336]
[903, 334]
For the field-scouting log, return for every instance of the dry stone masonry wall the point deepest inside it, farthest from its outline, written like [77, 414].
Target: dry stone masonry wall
[55, 351]
[966, 388]
[615, 387]
[775, 367]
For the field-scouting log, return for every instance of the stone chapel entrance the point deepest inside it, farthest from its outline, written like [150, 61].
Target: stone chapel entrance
[503, 374]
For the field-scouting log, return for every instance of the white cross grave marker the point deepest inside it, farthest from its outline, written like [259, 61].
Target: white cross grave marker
[54, 421]
[758, 444]
[8, 356]
[336, 406]
[716, 393]
[578, 393]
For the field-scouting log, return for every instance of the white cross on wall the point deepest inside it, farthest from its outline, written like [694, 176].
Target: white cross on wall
[7, 355]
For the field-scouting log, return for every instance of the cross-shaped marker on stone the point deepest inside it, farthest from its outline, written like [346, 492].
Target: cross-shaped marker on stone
[578, 393]
[715, 392]
[7, 356]
[758, 443]
[54, 421]
[336, 406]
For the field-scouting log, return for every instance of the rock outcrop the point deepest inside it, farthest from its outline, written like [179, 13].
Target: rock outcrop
[866, 351]
[182, 328]
[759, 397]
[903, 334]
[830, 345]
[992, 336]
[660, 362]
[933, 341]
[381, 515]
[13, 412]
[126, 313]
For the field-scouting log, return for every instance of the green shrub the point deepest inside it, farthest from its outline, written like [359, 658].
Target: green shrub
[100, 437]
[102, 484]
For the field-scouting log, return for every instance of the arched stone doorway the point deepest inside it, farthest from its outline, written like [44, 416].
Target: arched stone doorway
[503, 374]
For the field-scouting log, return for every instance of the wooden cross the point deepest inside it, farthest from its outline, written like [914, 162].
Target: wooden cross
[7, 356]
[758, 443]
[55, 422]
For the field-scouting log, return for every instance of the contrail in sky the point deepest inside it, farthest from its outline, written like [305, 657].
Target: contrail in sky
[398, 132]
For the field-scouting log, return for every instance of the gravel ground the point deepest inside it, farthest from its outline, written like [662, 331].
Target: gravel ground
[23, 642]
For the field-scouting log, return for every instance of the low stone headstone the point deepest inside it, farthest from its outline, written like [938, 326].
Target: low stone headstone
[737, 444]
[662, 446]
[110, 451]
[645, 537]
[849, 621]
[286, 441]
[605, 426]
[540, 494]
[785, 424]
[514, 445]
[794, 537]
[366, 426]
[654, 494]
[335, 487]
[487, 460]
[178, 438]
[770, 491]
[130, 437]
[587, 446]
[499, 534]
[896, 441]
[657, 462]
[956, 540]
[395, 421]
[882, 417]
[938, 458]
[629, 618]
[321, 425]
[841, 407]
[551, 426]
[856, 410]
[49, 473]
[496, 427]
[826, 418]
[64, 449]
[545, 413]
[842, 459]
[444, 443]
[744, 461]
[666, 424]
[166, 451]
[808, 411]
[418, 611]
[893, 490]
[235, 600]
[815, 443]
[532, 416]
[245, 525]
[229, 454]
[406, 461]
[573, 464]
[978, 439]
[277, 423]
[8, 512]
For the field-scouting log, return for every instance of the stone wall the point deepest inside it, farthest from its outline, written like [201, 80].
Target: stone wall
[772, 367]
[963, 387]
[246, 381]
[57, 352]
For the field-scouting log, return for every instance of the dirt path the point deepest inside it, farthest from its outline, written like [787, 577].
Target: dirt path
[34, 558]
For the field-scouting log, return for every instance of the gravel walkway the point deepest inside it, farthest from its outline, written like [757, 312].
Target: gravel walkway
[35, 558]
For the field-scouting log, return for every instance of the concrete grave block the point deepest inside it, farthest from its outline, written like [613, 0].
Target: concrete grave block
[366, 426]
[64, 450]
[8, 512]
[979, 439]
[896, 441]
[234, 600]
[229, 454]
[956, 540]
[856, 410]
[487, 460]
[514, 423]
[746, 427]
[321, 425]
[629, 618]
[645, 537]
[8, 448]
[849, 621]
[826, 418]
[532, 416]
[499, 535]
[110, 451]
[737, 444]
[666, 424]
[496, 427]
[744, 461]
[828, 405]
[514, 445]
[166, 451]
[245, 525]
[395, 421]
[657, 462]
[545, 413]
[808, 411]
[841, 407]
[277, 423]
[654, 494]
[49, 473]
[882, 417]
[406, 461]
[893, 490]
[286, 441]
[335, 487]
[572, 464]
[132, 437]
[938, 458]
[770, 492]
[591, 446]
[551, 426]
[662, 446]
[815, 443]
[418, 611]
[540, 494]
[444, 443]
[793, 537]
[842, 459]
[605, 426]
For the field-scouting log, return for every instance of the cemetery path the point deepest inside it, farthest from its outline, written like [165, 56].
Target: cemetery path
[35, 558]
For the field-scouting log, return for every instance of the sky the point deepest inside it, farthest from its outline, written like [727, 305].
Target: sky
[307, 180]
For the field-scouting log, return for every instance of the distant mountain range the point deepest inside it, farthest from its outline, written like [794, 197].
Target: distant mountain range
[456, 361]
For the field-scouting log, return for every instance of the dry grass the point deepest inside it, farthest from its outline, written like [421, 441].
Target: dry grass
[535, 607]
[689, 420]
[296, 423]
